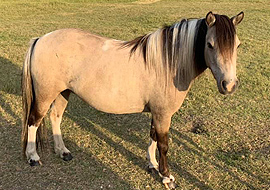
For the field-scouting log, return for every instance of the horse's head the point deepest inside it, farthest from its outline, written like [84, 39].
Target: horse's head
[221, 50]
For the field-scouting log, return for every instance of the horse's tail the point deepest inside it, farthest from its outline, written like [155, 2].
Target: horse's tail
[28, 98]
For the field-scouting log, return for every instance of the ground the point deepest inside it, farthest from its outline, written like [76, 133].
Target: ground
[216, 141]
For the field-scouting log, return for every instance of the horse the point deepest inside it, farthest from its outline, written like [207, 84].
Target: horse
[152, 73]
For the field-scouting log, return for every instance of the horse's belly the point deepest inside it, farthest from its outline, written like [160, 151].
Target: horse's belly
[112, 102]
[112, 91]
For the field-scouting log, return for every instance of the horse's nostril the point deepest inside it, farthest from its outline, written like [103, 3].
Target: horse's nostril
[224, 84]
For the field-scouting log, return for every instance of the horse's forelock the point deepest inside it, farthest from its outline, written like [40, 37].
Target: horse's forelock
[225, 34]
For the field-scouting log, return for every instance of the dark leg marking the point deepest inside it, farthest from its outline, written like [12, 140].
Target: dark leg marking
[162, 144]
[153, 133]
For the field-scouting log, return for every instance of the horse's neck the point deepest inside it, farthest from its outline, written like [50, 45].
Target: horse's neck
[179, 91]
[184, 83]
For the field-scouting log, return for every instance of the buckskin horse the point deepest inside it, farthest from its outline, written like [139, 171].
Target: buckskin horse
[151, 73]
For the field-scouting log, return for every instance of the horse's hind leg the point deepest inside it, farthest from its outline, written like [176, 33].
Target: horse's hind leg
[57, 110]
[37, 113]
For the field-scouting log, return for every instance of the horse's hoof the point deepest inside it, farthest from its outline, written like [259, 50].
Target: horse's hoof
[171, 185]
[34, 163]
[67, 156]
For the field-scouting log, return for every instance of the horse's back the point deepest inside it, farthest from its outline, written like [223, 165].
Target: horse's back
[97, 69]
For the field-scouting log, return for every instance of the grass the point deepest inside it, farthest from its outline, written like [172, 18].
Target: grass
[216, 142]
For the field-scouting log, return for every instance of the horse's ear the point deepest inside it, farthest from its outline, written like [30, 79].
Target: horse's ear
[238, 18]
[210, 19]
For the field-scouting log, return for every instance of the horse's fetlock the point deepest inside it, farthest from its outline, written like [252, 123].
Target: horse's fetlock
[164, 172]
[61, 151]
[32, 156]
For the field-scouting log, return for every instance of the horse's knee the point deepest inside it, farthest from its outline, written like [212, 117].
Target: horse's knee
[162, 143]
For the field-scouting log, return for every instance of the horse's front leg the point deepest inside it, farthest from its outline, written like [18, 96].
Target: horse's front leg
[161, 124]
[151, 151]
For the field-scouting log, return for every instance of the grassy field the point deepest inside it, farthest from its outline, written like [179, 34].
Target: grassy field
[216, 142]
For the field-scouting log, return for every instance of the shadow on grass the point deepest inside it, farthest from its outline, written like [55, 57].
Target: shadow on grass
[10, 80]
[233, 158]
[200, 151]
[123, 126]
[84, 172]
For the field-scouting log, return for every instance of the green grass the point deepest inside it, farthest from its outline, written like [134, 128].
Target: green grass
[216, 142]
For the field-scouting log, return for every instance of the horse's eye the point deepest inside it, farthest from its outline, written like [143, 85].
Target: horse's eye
[209, 45]
[238, 46]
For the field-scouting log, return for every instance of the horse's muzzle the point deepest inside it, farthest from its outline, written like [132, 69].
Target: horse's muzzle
[228, 87]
